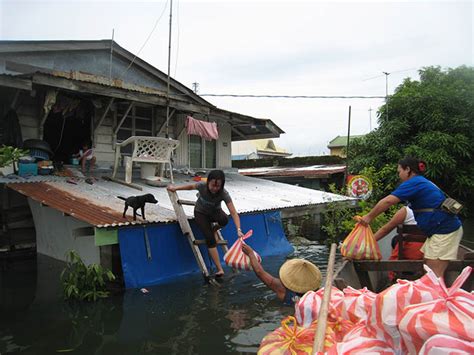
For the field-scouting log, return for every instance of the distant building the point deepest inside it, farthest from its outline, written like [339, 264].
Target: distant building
[257, 149]
[338, 144]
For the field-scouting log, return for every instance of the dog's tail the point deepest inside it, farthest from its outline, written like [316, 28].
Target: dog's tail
[122, 198]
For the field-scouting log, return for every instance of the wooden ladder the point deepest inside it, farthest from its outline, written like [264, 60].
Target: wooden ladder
[193, 242]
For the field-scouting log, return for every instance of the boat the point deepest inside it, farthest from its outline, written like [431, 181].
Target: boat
[373, 274]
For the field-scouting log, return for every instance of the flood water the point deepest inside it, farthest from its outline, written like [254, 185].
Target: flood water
[183, 317]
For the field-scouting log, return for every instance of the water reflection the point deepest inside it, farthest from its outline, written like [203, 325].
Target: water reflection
[181, 317]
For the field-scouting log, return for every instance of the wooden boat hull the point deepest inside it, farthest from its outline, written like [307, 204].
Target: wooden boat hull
[374, 274]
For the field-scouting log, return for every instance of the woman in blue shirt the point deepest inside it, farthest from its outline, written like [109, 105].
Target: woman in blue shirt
[443, 229]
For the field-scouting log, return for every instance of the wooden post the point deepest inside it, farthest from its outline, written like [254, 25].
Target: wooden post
[320, 336]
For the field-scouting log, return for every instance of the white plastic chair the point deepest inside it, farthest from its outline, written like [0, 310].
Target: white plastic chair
[148, 151]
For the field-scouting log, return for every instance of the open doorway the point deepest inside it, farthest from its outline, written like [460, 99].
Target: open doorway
[68, 127]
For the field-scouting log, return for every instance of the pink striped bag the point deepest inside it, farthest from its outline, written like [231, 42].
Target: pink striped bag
[360, 244]
[387, 309]
[444, 344]
[235, 257]
[357, 303]
[362, 339]
[452, 314]
[307, 308]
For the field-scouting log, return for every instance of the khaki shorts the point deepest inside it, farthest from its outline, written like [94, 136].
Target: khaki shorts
[442, 246]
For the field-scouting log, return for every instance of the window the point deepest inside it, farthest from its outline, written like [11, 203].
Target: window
[139, 122]
[195, 151]
[202, 153]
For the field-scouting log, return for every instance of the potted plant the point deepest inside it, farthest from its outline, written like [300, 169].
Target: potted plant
[8, 157]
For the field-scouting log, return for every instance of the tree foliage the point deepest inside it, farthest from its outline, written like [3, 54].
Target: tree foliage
[432, 119]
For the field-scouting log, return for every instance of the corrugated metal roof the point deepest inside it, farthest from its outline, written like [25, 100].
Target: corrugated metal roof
[98, 204]
[307, 171]
[14, 179]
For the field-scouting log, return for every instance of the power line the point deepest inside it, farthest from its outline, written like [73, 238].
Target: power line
[147, 39]
[296, 96]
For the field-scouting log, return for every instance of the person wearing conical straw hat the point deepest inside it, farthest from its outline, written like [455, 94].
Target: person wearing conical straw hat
[297, 276]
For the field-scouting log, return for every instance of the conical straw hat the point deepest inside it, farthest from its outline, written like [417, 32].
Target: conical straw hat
[300, 276]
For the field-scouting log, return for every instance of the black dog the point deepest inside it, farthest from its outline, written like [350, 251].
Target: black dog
[137, 202]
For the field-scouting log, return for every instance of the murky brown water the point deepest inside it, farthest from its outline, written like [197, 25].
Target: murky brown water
[183, 317]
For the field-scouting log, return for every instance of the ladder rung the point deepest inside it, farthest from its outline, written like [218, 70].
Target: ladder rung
[187, 202]
[203, 241]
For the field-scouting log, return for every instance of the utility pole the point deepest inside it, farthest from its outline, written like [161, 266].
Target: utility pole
[370, 119]
[347, 147]
[386, 91]
[195, 87]
[168, 81]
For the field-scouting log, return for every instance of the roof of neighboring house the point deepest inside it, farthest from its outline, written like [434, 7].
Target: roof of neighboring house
[314, 171]
[260, 146]
[99, 206]
[341, 141]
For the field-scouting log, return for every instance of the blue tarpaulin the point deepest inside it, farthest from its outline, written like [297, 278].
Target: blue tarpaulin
[155, 254]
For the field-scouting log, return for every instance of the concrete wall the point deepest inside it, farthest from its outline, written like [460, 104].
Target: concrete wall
[54, 235]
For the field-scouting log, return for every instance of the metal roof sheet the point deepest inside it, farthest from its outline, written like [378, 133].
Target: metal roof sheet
[306, 171]
[98, 204]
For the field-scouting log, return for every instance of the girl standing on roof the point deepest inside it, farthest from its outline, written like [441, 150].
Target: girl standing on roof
[208, 211]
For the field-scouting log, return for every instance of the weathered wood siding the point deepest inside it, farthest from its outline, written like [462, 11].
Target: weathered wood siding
[103, 142]
[28, 111]
[224, 146]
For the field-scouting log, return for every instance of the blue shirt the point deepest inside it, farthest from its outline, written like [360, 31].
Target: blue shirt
[422, 193]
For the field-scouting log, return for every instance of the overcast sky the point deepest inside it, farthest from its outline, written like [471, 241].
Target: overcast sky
[271, 48]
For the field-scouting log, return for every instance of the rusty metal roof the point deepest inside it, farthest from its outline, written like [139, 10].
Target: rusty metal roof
[68, 203]
[313, 171]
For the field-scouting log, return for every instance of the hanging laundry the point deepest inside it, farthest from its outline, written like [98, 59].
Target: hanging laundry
[206, 130]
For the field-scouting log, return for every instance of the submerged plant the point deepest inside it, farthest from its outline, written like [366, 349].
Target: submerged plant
[84, 283]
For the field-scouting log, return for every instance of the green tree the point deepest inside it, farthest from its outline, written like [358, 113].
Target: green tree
[432, 119]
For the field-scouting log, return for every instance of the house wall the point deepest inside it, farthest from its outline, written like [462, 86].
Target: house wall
[339, 151]
[54, 235]
[103, 141]
[223, 144]
[28, 111]
[97, 62]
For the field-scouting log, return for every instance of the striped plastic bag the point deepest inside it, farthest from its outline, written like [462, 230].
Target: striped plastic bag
[445, 344]
[235, 257]
[389, 305]
[291, 339]
[307, 308]
[452, 314]
[362, 339]
[360, 244]
[357, 303]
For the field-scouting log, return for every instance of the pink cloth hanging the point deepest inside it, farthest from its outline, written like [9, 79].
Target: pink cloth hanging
[206, 130]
